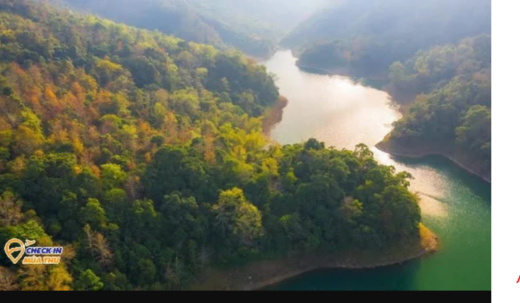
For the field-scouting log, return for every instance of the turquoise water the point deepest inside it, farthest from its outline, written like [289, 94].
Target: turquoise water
[454, 204]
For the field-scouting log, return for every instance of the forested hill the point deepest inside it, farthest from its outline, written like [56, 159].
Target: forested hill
[144, 157]
[253, 27]
[452, 114]
[365, 36]
[174, 17]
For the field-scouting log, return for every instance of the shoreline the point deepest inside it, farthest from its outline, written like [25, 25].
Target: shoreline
[402, 99]
[274, 115]
[418, 155]
[261, 274]
[367, 81]
[323, 71]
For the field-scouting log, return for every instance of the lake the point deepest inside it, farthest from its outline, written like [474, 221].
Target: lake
[454, 204]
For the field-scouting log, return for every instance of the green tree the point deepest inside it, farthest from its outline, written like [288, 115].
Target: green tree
[112, 175]
[88, 281]
[235, 215]
[93, 214]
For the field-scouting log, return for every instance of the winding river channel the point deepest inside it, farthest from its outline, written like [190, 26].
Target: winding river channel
[455, 204]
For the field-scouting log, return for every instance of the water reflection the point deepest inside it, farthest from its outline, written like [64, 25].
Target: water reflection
[347, 114]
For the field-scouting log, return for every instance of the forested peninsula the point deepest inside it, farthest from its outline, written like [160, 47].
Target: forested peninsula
[451, 115]
[144, 157]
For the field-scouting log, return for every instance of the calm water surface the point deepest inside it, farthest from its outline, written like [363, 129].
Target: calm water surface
[455, 205]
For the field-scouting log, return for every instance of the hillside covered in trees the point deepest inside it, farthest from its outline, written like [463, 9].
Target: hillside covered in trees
[452, 113]
[251, 26]
[143, 155]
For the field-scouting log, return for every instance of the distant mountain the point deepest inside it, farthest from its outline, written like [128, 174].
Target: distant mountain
[366, 36]
[251, 26]
[272, 19]
[173, 17]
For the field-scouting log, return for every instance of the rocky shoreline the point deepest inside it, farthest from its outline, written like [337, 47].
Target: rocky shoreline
[459, 157]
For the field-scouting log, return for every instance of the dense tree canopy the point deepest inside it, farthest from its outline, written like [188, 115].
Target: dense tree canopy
[144, 156]
[454, 105]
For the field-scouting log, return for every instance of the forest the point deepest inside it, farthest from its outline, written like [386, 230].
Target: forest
[143, 155]
[453, 107]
